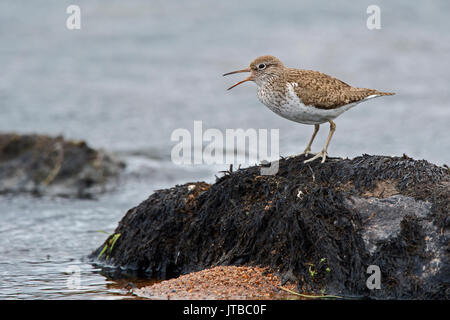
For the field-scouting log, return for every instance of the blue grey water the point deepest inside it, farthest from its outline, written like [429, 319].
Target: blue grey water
[137, 70]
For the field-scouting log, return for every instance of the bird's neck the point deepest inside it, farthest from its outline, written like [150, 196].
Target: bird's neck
[272, 81]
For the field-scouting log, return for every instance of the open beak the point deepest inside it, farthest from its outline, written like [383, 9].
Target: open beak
[238, 71]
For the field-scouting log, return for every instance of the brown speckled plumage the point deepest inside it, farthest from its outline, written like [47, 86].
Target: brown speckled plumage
[314, 88]
[304, 96]
[325, 92]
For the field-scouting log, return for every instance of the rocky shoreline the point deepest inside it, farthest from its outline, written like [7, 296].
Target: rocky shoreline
[320, 226]
[219, 283]
[44, 165]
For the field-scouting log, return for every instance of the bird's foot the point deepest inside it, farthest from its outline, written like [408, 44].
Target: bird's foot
[307, 152]
[322, 154]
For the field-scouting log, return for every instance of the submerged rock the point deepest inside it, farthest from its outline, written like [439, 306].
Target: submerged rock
[320, 225]
[53, 166]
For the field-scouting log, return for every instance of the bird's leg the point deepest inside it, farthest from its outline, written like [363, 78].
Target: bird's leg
[323, 153]
[308, 148]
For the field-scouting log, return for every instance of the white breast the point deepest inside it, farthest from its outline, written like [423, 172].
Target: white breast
[290, 107]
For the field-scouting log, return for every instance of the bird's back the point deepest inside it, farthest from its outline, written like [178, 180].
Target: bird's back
[325, 92]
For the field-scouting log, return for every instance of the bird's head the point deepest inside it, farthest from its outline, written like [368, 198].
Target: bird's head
[262, 70]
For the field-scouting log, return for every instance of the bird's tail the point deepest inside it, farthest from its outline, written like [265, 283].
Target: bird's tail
[385, 93]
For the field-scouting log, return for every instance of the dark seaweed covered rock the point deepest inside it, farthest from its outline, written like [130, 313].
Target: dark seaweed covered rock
[321, 225]
[45, 165]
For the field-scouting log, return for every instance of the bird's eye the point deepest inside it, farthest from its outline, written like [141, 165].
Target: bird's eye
[261, 66]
